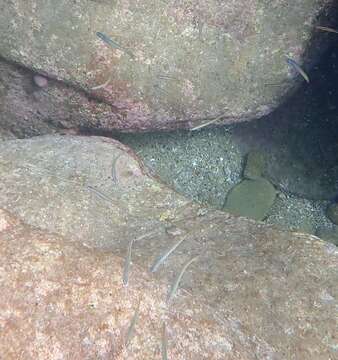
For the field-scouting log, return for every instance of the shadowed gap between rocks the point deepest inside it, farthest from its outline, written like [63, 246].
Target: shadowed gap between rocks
[299, 142]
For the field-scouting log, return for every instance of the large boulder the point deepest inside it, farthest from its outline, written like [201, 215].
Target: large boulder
[60, 300]
[253, 292]
[166, 64]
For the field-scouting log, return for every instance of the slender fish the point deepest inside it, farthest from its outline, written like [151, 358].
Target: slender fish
[127, 261]
[162, 258]
[109, 41]
[146, 235]
[106, 39]
[127, 264]
[167, 77]
[113, 169]
[178, 278]
[297, 68]
[102, 86]
[164, 348]
[207, 123]
[99, 193]
[133, 322]
[327, 29]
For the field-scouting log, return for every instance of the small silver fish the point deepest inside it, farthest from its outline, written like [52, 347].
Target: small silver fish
[127, 264]
[178, 278]
[113, 43]
[99, 193]
[113, 168]
[105, 84]
[297, 67]
[164, 347]
[327, 29]
[133, 322]
[167, 77]
[207, 123]
[162, 258]
[127, 261]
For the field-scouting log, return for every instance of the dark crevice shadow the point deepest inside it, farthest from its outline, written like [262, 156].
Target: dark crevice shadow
[300, 138]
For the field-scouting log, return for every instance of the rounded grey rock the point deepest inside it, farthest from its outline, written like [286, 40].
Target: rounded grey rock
[251, 198]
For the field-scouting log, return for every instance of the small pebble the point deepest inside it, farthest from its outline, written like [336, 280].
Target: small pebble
[40, 81]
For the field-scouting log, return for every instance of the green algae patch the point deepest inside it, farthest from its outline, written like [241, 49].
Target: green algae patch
[251, 198]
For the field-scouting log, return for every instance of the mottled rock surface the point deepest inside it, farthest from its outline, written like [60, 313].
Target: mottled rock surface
[254, 292]
[29, 110]
[6, 135]
[172, 64]
[60, 300]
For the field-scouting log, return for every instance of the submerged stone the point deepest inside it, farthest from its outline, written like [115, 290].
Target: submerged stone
[40, 81]
[332, 213]
[330, 235]
[251, 198]
[254, 165]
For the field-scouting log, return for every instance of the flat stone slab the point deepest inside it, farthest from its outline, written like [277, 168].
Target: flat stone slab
[251, 198]
[253, 292]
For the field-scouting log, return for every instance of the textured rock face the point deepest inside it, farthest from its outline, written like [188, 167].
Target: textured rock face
[6, 135]
[254, 292]
[332, 213]
[60, 300]
[29, 110]
[168, 65]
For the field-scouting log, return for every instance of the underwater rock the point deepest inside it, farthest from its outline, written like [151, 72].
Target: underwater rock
[60, 300]
[251, 198]
[6, 135]
[28, 110]
[249, 295]
[330, 235]
[332, 213]
[254, 165]
[40, 81]
[186, 64]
